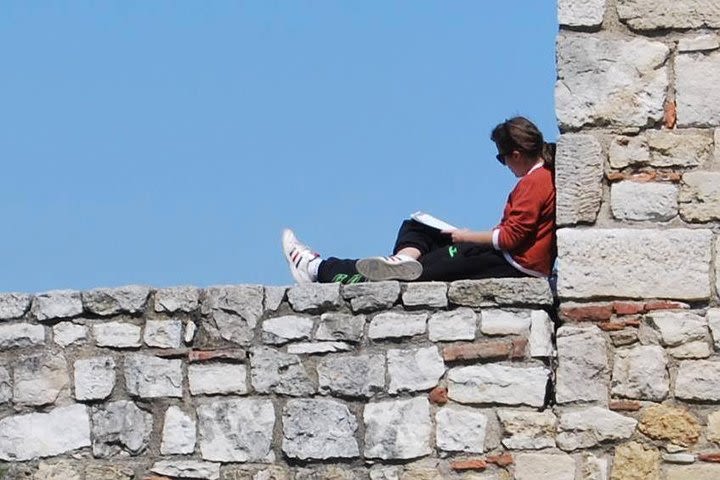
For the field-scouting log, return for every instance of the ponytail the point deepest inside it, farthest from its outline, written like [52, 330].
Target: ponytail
[548, 154]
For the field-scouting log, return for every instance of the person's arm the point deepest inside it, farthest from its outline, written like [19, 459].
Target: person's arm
[463, 235]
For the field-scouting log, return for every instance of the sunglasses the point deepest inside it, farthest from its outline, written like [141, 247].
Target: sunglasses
[501, 158]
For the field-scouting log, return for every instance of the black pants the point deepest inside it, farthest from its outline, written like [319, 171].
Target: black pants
[441, 259]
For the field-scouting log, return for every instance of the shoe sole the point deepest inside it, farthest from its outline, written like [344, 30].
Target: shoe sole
[377, 270]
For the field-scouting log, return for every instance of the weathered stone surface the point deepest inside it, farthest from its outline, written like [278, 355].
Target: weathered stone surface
[177, 299]
[583, 371]
[641, 373]
[234, 327]
[700, 196]
[365, 297]
[626, 151]
[21, 335]
[120, 428]
[541, 466]
[56, 304]
[193, 469]
[583, 13]
[634, 461]
[235, 310]
[677, 425]
[40, 379]
[593, 468]
[458, 324]
[277, 372]
[94, 378]
[147, 376]
[713, 426]
[163, 333]
[500, 291]
[461, 429]
[315, 297]
[670, 149]
[698, 89]
[190, 329]
[35, 435]
[178, 434]
[109, 472]
[606, 79]
[397, 325]
[14, 305]
[116, 335]
[644, 201]
[698, 380]
[501, 384]
[634, 263]
[362, 375]
[340, 326]
[713, 319]
[329, 472]
[309, 348]
[588, 427]
[238, 430]
[245, 472]
[528, 430]
[274, 297]
[540, 342]
[579, 170]
[659, 14]
[705, 471]
[412, 370]
[5, 385]
[217, 378]
[425, 294]
[676, 328]
[696, 349]
[287, 328]
[68, 333]
[60, 470]
[111, 301]
[505, 322]
[678, 457]
[397, 429]
[318, 429]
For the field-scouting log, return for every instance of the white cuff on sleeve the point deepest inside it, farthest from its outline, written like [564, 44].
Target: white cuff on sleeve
[496, 238]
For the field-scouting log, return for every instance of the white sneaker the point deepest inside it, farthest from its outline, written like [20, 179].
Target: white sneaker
[298, 256]
[389, 268]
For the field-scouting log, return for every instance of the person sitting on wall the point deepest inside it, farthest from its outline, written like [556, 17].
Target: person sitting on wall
[523, 244]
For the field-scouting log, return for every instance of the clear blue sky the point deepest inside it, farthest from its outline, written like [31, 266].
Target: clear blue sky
[169, 142]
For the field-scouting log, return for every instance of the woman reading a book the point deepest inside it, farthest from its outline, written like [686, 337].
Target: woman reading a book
[522, 244]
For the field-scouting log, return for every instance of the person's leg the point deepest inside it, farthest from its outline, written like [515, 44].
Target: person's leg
[466, 261]
[336, 270]
[420, 237]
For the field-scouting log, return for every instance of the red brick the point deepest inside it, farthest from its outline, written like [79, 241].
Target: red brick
[615, 176]
[628, 308]
[477, 351]
[665, 305]
[669, 176]
[502, 460]
[670, 114]
[469, 464]
[625, 405]
[591, 312]
[633, 321]
[236, 354]
[171, 353]
[439, 395]
[611, 326]
[518, 348]
[710, 457]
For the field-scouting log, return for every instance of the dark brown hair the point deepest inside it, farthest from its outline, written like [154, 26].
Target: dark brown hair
[519, 133]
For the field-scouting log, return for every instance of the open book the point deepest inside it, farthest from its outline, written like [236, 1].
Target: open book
[431, 221]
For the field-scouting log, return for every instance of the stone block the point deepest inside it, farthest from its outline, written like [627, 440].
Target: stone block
[698, 380]
[583, 13]
[280, 330]
[163, 333]
[111, 301]
[636, 201]
[700, 196]
[177, 299]
[40, 379]
[698, 89]
[94, 378]
[669, 14]
[397, 429]
[696, 349]
[109, 472]
[14, 305]
[20, 335]
[411, 370]
[713, 319]
[713, 427]
[233, 327]
[236, 430]
[626, 151]
[397, 325]
[458, 324]
[671, 149]
[425, 294]
[677, 328]
[505, 322]
[578, 175]
[673, 424]
[588, 427]
[356, 376]
[500, 384]
[274, 297]
[313, 297]
[192, 469]
[116, 335]
[366, 297]
[276, 372]
[634, 461]
[120, 428]
[311, 348]
[629, 263]
[147, 376]
[68, 333]
[524, 430]
[58, 470]
[35, 435]
[583, 370]
[340, 326]
[461, 429]
[318, 429]
[178, 433]
[5, 385]
[235, 309]
[541, 333]
[704, 471]
[544, 466]
[641, 373]
[217, 378]
[604, 79]
[492, 292]
[56, 304]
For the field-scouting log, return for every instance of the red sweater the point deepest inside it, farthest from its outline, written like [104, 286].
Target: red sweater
[526, 233]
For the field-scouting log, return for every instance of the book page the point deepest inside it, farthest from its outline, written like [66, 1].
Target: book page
[430, 221]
